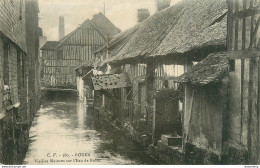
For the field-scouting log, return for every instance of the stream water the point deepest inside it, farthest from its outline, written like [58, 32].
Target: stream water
[65, 132]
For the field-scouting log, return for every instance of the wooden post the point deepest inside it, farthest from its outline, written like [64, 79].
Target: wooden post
[258, 115]
[187, 66]
[236, 27]
[230, 25]
[244, 28]
[245, 103]
[150, 92]
[154, 118]
[253, 90]
[254, 33]
[252, 23]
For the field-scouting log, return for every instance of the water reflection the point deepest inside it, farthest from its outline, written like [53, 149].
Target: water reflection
[65, 132]
[81, 110]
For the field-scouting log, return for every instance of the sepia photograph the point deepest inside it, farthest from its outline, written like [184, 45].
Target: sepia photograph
[129, 82]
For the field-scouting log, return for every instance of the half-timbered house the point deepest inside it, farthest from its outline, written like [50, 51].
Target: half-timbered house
[75, 49]
[162, 48]
[221, 119]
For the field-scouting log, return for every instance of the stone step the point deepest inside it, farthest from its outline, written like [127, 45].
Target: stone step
[170, 140]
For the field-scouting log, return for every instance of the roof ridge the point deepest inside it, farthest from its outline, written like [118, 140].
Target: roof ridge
[71, 33]
[104, 16]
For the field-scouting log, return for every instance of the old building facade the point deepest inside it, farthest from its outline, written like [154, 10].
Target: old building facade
[153, 54]
[75, 49]
[15, 110]
[221, 95]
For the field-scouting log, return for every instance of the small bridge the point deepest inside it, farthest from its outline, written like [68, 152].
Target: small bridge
[58, 89]
[58, 93]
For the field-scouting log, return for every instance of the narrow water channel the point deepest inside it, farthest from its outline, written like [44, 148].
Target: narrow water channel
[65, 132]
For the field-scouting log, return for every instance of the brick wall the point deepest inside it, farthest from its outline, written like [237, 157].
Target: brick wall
[12, 21]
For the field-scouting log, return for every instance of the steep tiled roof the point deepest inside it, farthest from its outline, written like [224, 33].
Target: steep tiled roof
[188, 25]
[105, 25]
[50, 45]
[12, 22]
[210, 70]
[102, 24]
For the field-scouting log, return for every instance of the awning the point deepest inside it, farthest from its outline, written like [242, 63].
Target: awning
[110, 81]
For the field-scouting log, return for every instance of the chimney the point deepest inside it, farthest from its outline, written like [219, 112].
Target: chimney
[142, 14]
[61, 27]
[162, 4]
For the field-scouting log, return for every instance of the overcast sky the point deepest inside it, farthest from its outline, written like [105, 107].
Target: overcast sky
[123, 13]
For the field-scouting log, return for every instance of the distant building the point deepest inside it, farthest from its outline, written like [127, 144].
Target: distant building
[60, 58]
[162, 4]
[142, 14]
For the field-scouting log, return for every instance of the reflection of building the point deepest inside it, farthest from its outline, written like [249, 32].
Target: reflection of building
[60, 58]
[84, 83]
[81, 114]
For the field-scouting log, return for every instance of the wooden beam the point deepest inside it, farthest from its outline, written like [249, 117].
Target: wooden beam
[230, 25]
[243, 96]
[58, 89]
[252, 21]
[253, 104]
[167, 78]
[243, 54]
[253, 38]
[250, 104]
[236, 27]
[245, 103]
[246, 13]
[258, 113]
[244, 27]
